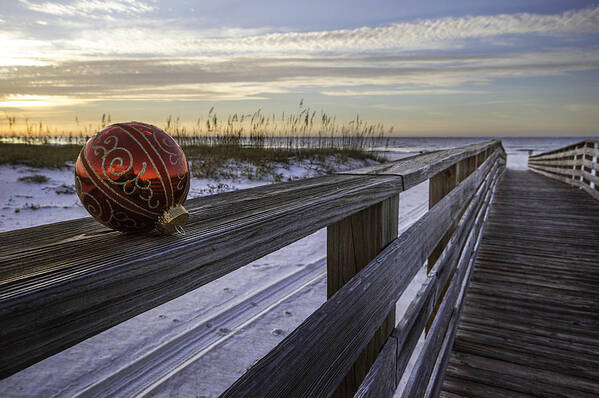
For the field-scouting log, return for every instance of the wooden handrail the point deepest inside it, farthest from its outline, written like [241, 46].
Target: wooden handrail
[64, 282]
[575, 164]
[313, 359]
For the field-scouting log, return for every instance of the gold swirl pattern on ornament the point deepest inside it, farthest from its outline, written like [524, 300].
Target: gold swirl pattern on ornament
[118, 219]
[95, 211]
[153, 164]
[88, 168]
[131, 185]
[177, 155]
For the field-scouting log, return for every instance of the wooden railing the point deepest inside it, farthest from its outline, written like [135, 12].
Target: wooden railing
[64, 282]
[576, 165]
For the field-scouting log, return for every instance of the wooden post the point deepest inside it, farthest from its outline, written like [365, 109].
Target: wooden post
[439, 186]
[583, 156]
[593, 145]
[351, 244]
[574, 157]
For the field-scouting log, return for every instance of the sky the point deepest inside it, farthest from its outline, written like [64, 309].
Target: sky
[427, 67]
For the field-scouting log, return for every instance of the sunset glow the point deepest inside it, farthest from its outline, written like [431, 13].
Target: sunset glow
[469, 68]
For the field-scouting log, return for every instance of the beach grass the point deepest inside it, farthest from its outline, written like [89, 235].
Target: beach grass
[209, 161]
[214, 144]
[303, 128]
[214, 161]
[40, 156]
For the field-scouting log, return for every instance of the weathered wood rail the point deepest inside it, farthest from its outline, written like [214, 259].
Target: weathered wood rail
[64, 282]
[575, 164]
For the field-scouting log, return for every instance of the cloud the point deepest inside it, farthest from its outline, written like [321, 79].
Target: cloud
[16, 50]
[259, 78]
[150, 38]
[582, 108]
[130, 59]
[35, 101]
[89, 8]
[352, 93]
[429, 34]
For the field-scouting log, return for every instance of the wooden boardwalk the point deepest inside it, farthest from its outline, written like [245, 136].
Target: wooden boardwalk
[530, 322]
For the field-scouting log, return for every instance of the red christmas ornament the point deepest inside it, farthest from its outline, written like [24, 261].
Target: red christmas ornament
[133, 177]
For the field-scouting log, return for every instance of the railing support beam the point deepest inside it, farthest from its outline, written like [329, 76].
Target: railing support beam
[351, 244]
[439, 186]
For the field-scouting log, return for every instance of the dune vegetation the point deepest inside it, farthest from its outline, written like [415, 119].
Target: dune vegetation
[257, 139]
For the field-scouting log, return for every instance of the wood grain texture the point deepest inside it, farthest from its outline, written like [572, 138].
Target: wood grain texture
[583, 147]
[314, 358]
[575, 165]
[567, 178]
[445, 321]
[567, 162]
[527, 328]
[440, 185]
[411, 326]
[73, 288]
[417, 169]
[351, 244]
[437, 377]
[76, 278]
[380, 381]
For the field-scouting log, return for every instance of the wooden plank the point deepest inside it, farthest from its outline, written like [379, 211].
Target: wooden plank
[590, 177]
[521, 293]
[518, 378]
[540, 279]
[556, 162]
[593, 192]
[523, 355]
[351, 244]
[314, 358]
[438, 373]
[420, 168]
[563, 331]
[569, 162]
[563, 177]
[568, 172]
[410, 327]
[569, 151]
[450, 395]
[445, 321]
[480, 390]
[90, 284]
[435, 384]
[587, 352]
[527, 328]
[380, 381]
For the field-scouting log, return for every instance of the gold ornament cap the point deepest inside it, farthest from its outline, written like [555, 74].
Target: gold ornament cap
[172, 220]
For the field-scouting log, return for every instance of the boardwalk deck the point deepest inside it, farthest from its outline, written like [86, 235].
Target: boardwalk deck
[530, 322]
